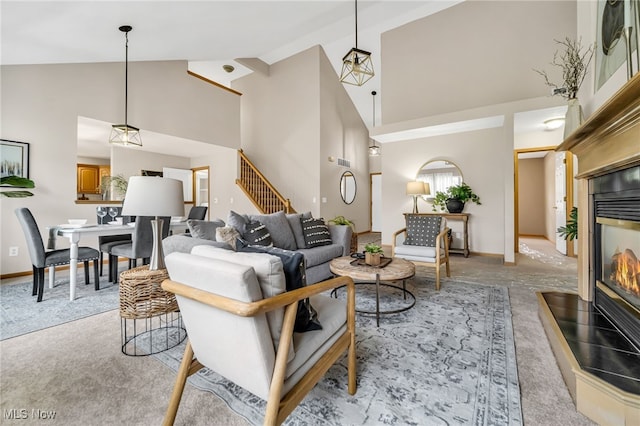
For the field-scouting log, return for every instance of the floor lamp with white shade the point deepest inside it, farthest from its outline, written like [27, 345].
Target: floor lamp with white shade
[154, 196]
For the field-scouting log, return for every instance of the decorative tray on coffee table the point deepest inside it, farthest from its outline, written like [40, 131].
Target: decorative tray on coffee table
[384, 261]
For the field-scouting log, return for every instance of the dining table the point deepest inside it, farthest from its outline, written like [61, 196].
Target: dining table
[74, 234]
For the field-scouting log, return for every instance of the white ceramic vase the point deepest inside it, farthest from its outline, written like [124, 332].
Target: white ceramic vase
[573, 118]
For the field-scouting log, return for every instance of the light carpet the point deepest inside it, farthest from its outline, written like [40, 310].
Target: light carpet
[21, 314]
[448, 360]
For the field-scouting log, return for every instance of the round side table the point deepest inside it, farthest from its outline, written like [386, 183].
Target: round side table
[397, 269]
[150, 320]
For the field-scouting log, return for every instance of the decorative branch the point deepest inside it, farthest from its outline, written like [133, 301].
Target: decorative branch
[574, 63]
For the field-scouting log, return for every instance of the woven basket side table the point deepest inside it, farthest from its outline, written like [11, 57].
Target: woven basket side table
[149, 316]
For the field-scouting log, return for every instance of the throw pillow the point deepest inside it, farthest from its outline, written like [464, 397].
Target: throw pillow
[293, 266]
[256, 233]
[296, 227]
[238, 221]
[227, 234]
[316, 232]
[204, 229]
[279, 228]
[422, 230]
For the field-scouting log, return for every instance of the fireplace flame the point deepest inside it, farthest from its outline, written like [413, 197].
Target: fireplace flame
[625, 268]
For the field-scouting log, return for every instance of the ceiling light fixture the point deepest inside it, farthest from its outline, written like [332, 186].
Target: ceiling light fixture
[124, 134]
[553, 123]
[374, 150]
[228, 68]
[357, 67]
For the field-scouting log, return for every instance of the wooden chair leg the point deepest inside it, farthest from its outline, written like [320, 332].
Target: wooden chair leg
[96, 274]
[178, 388]
[86, 272]
[447, 266]
[40, 283]
[437, 276]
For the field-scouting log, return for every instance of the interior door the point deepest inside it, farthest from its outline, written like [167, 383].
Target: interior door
[376, 202]
[560, 200]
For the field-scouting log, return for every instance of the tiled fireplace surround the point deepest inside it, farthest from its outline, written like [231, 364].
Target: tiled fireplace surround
[608, 142]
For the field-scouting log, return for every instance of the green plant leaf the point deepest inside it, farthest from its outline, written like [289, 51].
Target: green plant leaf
[17, 182]
[16, 194]
[570, 231]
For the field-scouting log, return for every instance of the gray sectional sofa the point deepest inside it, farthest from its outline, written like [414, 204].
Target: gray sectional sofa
[286, 232]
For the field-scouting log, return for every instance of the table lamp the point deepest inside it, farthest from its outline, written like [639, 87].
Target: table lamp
[415, 189]
[154, 196]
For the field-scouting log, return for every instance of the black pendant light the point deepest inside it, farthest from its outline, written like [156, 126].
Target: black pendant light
[357, 67]
[374, 150]
[124, 134]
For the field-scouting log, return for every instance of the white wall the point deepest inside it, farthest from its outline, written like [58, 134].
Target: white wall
[550, 196]
[293, 120]
[475, 154]
[41, 105]
[473, 54]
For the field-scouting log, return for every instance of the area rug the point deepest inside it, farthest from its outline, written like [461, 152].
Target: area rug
[21, 314]
[448, 360]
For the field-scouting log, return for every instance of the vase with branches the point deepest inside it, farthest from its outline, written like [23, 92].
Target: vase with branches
[573, 60]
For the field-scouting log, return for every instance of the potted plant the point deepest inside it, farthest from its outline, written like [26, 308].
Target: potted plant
[343, 221]
[119, 184]
[573, 60]
[454, 198]
[372, 254]
[570, 231]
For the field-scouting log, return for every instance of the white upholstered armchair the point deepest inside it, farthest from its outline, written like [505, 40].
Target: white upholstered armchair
[240, 324]
[425, 241]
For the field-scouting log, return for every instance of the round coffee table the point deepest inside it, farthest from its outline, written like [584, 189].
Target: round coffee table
[398, 269]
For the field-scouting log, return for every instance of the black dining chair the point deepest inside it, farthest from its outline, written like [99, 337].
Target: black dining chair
[106, 242]
[41, 259]
[198, 212]
[141, 245]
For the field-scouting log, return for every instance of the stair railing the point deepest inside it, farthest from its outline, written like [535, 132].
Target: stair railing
[259, 190]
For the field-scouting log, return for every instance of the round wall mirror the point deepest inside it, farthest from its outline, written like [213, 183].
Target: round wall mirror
[440, 175]
[348, 187]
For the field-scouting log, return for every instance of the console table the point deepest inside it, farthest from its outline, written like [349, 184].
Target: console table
[464, 217]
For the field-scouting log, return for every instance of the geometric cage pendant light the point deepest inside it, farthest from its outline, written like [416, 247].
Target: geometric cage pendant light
[374, 150]
[124, 134]
[357, 67]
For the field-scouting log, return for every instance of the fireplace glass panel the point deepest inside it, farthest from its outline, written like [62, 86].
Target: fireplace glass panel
[620, 261]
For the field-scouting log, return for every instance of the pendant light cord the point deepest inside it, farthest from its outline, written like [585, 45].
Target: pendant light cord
[373, 96]
[356, 1]
[126, 77]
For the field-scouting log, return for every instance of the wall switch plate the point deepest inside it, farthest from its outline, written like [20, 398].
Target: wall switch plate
[13, 251]
[324, 199]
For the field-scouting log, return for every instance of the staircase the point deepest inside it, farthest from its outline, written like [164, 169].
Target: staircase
[259, 190]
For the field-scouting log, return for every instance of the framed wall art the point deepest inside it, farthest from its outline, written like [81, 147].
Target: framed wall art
[14, 158]
[611, 43]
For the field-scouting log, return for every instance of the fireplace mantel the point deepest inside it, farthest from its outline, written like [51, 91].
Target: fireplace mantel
[609, 139]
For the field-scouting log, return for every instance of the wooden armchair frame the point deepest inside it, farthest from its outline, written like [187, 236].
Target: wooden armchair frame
[277, 408]
[442, 258]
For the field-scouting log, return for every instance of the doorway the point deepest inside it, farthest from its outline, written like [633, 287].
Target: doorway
[375, 210]
[543, 195]
[201, 187]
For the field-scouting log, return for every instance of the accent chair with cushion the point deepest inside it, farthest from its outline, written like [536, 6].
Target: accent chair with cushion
[424, 241]
[240, 322]
[41, 259]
